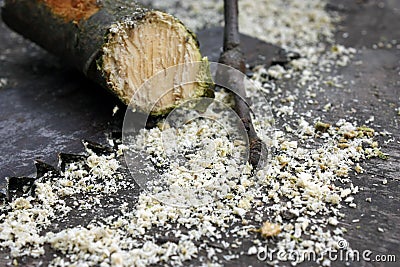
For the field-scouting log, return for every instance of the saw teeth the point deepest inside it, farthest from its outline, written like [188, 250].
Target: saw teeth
[97, 148]
[44, 169]
[66, 158]
[24, 186]
[20, 186]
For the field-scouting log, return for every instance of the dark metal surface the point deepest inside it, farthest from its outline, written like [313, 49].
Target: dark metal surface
[44, 108]
[256, 52]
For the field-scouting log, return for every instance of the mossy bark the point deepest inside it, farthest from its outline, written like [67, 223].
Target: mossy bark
[76, 31]
[77, 42]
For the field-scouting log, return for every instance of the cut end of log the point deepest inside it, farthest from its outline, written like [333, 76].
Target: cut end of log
[128, 43]
[135, 52]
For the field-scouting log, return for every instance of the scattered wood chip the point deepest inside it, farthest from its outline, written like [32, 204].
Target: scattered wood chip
[321, 126]
[269, 229]
[350, 135]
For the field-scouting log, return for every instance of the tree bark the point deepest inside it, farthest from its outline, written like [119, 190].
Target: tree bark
[103, 39]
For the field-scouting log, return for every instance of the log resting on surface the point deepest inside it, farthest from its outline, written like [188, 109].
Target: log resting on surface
[117, 43]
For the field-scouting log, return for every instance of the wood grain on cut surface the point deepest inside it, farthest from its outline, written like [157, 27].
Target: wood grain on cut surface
[117, 44]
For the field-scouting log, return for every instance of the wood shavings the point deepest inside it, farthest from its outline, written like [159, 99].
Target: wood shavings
[269, 229]
[321, 126]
